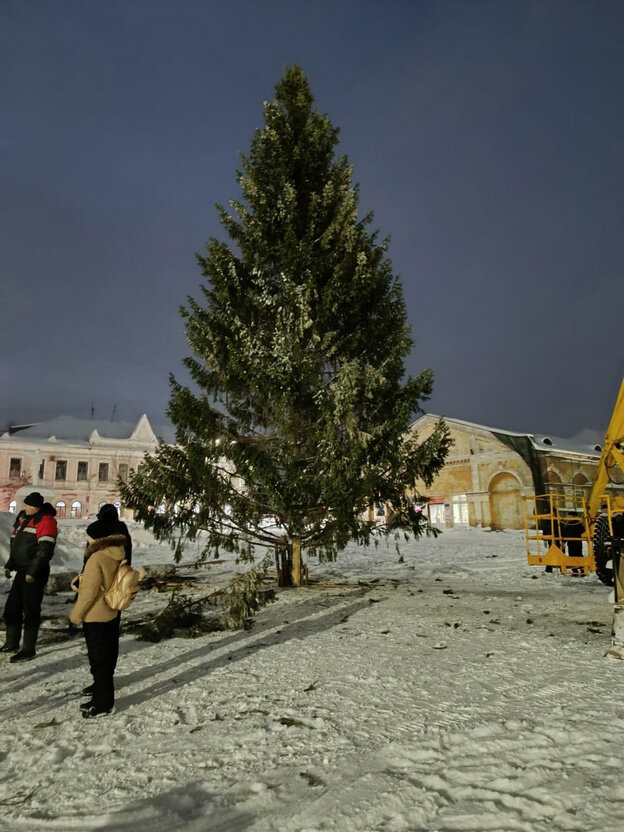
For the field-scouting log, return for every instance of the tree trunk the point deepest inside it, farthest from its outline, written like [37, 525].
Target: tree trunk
[288, 562]
[298, 572]
[283, 564]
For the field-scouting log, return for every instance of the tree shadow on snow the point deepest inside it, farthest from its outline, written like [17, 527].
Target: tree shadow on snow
[186, 809]
[301, 628]
[40, 671]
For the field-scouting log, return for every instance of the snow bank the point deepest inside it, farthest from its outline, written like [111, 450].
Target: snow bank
[72, 538]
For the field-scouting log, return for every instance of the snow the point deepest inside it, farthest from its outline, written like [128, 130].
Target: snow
[80, 431]
[586, 442]
[457, 690]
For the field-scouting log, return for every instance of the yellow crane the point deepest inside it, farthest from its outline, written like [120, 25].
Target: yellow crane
[591, 529]
[606, 510]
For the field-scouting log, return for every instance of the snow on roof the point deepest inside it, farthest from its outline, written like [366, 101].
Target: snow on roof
[540, 441]
[555, 443]
[71, 429]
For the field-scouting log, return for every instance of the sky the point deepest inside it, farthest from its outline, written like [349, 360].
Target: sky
[486, 137]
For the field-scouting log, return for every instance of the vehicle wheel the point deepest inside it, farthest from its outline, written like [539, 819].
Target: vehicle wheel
[602, 550]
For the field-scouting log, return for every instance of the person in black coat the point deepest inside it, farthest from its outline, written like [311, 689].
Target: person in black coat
[32, 546]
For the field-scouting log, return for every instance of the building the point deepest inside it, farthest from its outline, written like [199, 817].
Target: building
[74, 463]
[488, 471]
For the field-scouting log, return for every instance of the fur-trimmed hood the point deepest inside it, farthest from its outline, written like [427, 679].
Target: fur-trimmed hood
[104, 543]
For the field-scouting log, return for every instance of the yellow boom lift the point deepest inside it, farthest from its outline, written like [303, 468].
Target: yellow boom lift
[591, 530]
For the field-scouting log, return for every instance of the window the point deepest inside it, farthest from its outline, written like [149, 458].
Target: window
[61, 470]
[42, 469]
[12, 506]
[459, 503]
[15, 469]
[83, 470]
[60, 509]
[553, 482]
[103, 472]
[76, 510]
[436, 514]
[123, 471]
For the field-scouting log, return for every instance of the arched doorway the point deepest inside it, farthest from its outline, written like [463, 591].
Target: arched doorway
[505, 503]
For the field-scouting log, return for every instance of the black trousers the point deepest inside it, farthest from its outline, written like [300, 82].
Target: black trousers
[103, 648]
[24, 600]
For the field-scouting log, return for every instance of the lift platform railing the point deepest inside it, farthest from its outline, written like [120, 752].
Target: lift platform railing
[558, 533]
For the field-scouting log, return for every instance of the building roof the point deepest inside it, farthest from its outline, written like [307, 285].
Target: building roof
[540, 441]
[87, 431]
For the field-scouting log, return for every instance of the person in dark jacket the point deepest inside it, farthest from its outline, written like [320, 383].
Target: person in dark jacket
[32, 546]
[573, 530]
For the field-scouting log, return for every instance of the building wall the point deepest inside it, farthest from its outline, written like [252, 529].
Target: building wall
[559, 473]
[41, 469]
[483, 481]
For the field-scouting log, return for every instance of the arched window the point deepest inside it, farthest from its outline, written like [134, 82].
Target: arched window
[60, 509]
[76, 510]
[552, 480]
[12, 507]
[581, 484]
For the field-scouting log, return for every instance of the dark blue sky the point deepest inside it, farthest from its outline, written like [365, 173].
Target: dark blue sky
[487, 137]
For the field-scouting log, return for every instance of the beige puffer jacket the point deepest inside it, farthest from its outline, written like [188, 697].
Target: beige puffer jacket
[103, 558]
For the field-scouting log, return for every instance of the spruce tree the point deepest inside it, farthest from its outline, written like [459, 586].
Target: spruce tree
[299, 407]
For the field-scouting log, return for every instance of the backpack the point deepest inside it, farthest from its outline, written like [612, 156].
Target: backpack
[124, 587]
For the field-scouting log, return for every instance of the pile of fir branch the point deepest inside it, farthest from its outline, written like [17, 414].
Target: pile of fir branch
[232, 608]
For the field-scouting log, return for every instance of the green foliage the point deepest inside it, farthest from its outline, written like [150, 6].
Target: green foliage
[230, 609]
[299, 401]
[182, 616]
[246, 594]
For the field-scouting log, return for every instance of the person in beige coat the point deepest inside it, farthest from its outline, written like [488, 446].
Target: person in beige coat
[100, 622]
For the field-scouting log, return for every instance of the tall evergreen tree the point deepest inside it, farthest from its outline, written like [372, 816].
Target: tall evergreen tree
[299, 406]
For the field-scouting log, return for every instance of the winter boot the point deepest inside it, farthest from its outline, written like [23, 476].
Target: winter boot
[29, 643]
[95, 711]
[13, 634]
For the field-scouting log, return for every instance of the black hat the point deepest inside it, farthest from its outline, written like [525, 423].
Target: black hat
[35, 499]
[107, 512]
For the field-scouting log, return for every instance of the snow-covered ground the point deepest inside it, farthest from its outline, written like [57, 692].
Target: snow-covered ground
[457, 690]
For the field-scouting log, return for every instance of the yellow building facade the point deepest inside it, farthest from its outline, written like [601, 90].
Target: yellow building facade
[489, 470]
